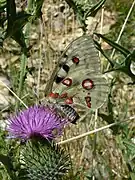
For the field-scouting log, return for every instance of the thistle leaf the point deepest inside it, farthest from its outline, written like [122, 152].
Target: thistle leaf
[119, 48]
[125, 65]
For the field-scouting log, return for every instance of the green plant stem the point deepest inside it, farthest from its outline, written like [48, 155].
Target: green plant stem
[21, 79]
[23, 61]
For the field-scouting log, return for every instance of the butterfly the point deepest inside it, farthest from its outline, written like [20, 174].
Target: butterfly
[76, 82]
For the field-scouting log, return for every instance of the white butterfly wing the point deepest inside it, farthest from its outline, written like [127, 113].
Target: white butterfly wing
[78, 75]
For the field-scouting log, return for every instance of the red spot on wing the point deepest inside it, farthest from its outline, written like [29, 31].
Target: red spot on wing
[67, 82]
[75, 60]
[54, 95]
[88, 101]
[64, 95]
[87, 84]
[69, 100]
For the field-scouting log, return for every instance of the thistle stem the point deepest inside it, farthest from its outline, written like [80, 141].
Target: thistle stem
[23, 60]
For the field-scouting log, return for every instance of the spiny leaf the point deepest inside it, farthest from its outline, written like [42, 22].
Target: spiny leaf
[125, 65]
[38, 12]
[14, 30]
[11, 11]
[98, 46]
[2, 13]
[119, 48]
[19, 22]
[15, 24]
[79, 12]
[85, 10]
[93, 11]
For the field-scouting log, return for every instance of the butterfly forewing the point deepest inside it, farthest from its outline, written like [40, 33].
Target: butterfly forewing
[77, 79]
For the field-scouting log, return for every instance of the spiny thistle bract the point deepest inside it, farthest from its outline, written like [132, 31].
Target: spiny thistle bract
[38, 120]
[44, 161]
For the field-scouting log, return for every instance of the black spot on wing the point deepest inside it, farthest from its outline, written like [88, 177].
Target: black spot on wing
[66, 68]
[58, 79]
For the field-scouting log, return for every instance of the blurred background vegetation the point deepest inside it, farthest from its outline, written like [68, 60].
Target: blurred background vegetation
[31, 43]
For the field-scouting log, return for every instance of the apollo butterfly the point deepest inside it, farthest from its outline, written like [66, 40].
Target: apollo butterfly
[77, 81]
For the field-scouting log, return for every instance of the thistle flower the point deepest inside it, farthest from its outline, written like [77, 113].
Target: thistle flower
[38, 120]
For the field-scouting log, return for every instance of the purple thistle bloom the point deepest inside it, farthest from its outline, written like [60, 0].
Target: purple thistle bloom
[41, 121]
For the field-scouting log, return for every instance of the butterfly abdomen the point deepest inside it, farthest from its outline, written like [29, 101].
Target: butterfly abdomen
[69, 112]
